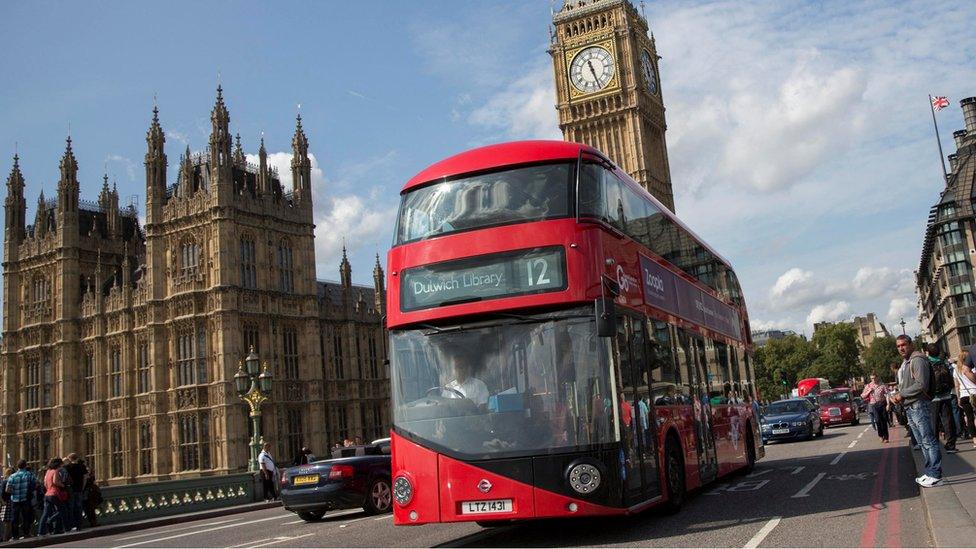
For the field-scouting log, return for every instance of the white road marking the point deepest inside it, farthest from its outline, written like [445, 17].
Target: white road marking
[759, 473]
[384, 517]
[292, 522]
[183, 529]
[233, 525]
[248, 543]
[860, 435]
[838, 458]
[282, 539]
[762, 533]
[798, 469]
[851, 445]
[806, 489]
[866, 429]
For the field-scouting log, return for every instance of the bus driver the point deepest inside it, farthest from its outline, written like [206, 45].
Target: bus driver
[471, 387]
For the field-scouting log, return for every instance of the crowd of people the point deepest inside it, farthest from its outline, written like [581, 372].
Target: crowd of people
[934, 397]
[58, 498]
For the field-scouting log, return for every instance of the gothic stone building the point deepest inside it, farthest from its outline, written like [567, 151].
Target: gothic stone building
[121, 342]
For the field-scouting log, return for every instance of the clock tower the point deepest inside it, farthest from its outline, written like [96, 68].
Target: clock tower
[608, 88]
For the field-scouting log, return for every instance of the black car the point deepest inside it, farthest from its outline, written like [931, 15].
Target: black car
[357, 476]
[790, 419]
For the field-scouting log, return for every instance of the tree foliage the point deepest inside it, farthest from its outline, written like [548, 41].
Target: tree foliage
[838, 357]
[879, 356]
[782, 357]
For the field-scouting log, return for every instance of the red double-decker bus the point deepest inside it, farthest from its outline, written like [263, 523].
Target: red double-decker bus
[560, 343]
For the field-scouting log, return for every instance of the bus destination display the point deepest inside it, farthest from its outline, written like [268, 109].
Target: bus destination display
[484, 277]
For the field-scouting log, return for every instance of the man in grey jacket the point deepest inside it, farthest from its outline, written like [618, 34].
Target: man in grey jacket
[915, 395]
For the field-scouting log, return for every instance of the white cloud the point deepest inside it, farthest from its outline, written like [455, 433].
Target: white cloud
[360, 220]
[179, 137]
[522, 110]
[880, 282]
[831, 312]
[901, 307]
[125, 163]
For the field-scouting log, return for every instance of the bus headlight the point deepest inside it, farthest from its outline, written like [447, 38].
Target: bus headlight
[402, 490]
[584, 478]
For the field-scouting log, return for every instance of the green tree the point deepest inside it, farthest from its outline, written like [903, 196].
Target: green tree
[780, 358]
[879, 356]
[839, 354]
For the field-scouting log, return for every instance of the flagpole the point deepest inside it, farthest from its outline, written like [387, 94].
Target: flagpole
[945, 176]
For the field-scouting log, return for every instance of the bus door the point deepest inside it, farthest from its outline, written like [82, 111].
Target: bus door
[693, 353]
[638, 465]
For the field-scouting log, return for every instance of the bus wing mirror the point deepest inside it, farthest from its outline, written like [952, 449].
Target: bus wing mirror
[606, 317]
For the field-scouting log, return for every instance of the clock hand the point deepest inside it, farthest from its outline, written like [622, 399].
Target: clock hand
[592, 70]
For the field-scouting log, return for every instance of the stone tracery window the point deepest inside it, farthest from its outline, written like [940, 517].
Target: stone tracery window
[249, 272]
[115, 374]
[194, 441]
[286, 276]
[189, 257]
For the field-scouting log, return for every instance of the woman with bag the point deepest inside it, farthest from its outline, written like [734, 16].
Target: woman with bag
[55, 496]
[966, 389]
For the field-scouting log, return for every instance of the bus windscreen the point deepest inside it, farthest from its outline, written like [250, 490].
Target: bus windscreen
[496, 198]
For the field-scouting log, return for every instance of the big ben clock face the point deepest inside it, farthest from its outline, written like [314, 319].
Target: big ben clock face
[647, 67]
[591, 69]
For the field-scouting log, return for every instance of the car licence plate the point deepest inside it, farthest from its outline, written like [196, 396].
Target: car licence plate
[304, 479]
[780, 431]
[487, 506]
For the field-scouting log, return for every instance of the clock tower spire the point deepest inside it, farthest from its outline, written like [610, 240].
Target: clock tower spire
[608, 89]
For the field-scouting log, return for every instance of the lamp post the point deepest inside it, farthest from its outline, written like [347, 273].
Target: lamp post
[254, 388]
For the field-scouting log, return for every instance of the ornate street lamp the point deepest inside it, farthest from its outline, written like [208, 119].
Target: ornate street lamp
[254, 389]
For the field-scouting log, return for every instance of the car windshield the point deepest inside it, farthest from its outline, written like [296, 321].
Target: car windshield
[830, 398]
[786, 407]
[518, 387]
[496, 198]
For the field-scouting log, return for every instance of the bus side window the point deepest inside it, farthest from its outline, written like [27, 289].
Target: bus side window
[591, 192]
[662, 361]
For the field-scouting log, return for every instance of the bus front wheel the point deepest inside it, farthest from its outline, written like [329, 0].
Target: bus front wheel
[674, 474]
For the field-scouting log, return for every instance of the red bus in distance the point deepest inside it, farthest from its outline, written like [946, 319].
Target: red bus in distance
[560, 343]
[811, 386]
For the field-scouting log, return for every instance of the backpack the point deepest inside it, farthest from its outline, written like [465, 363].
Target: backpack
[940, 379]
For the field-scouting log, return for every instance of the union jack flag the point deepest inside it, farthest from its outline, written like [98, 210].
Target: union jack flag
[940, 102]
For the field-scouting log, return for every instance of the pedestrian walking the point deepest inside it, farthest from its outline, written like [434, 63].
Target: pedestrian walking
[302, 457]
[941, 394]
[876, 394]
[55, 496]
[77, 474]
[93, 497]
[6, 507]
[269, 472]
[913, 391]
[965, 380]
[21, 487]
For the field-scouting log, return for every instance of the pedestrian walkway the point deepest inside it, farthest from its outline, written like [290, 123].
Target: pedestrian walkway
[951, 509]
[121, 527]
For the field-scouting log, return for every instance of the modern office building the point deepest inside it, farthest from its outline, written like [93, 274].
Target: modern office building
[947, 305]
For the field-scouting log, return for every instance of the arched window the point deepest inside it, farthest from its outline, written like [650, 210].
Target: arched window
[40, 289]
[286, 275]
[189, 257]
[249, 271]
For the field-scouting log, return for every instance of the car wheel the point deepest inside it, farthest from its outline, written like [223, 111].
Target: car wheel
[379, 497]
[311, 516]
[674, 475]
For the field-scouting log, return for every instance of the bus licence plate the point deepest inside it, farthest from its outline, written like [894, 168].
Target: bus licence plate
[780, 431]
[487, 506]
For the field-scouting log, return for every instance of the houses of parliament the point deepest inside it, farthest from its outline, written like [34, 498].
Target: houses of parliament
[121, 341]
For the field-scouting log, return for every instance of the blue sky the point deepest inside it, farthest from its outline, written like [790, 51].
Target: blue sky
[799, 135]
